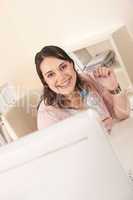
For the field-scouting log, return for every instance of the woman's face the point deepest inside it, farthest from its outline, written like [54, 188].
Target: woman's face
[59, 75]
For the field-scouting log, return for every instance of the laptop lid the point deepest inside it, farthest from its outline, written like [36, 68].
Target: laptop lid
[70, 160]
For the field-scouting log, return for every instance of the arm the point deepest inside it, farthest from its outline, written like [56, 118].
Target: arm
[120, 103]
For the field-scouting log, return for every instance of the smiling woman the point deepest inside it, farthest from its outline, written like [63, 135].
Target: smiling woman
[59, 75]
[65, 92]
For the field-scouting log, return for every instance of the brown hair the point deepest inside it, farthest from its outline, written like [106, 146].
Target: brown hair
[49, 96]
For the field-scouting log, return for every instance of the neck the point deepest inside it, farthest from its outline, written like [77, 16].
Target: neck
[75, 99]
[73, 94]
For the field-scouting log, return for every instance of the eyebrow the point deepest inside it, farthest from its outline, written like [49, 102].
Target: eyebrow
[47, 72]
[52, 71]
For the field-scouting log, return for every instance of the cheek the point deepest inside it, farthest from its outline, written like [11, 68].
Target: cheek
[48, 81]
[74, 75]
[51, 84]
[70, 71]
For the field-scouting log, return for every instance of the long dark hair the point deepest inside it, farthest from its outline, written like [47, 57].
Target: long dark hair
[49, 96]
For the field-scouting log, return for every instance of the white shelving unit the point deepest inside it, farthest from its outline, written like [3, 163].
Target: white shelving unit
[118, 40]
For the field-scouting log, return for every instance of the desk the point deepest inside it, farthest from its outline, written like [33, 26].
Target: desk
[121, 139]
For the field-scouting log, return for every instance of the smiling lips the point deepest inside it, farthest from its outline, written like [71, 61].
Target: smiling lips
[65, 84]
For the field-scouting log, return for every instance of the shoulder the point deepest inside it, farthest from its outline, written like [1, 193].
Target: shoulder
[49, 115]
[46, 111]
[45, 116]
[44, 108]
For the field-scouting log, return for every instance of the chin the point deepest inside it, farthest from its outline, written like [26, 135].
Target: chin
[68, 92]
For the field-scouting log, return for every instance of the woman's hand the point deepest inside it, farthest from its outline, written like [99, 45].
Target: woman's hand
[106, 77]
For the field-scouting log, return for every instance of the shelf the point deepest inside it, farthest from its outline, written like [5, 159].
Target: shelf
[121, 42]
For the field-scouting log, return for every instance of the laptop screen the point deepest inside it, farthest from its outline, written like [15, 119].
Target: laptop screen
[70, 160]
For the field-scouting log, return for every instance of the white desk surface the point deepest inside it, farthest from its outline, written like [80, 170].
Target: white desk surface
[121, 139]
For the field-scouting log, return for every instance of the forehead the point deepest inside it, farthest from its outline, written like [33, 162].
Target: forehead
[50, 63]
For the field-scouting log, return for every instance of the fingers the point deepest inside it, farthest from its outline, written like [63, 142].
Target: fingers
[102, 72]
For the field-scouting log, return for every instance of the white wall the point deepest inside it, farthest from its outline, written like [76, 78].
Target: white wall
[27, 26]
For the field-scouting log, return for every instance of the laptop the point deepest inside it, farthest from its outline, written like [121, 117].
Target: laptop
[71, 160]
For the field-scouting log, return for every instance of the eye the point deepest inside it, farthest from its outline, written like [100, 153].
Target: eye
[50, 75]
[64, 66]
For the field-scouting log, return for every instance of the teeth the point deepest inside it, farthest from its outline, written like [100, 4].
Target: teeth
[65, 83]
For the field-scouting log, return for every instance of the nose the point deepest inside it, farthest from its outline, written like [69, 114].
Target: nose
[60, 77]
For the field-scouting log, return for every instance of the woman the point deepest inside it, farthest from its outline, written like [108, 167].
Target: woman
[65, 92]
